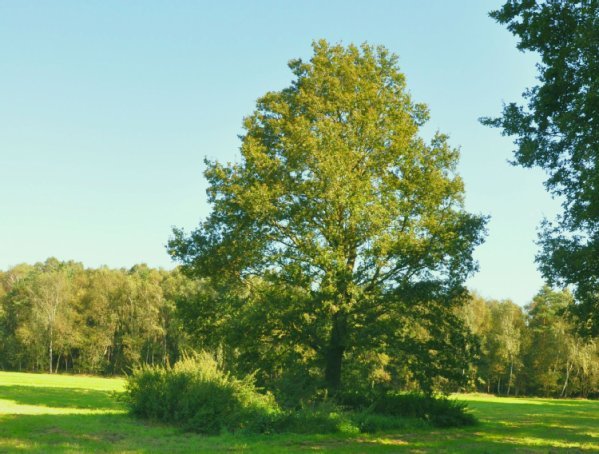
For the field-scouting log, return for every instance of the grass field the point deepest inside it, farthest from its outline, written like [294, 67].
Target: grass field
[57, 413]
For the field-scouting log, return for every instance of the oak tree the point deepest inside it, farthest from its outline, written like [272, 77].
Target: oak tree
[341, 216]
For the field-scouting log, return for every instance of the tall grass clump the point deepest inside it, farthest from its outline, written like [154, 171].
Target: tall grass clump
[197, 395]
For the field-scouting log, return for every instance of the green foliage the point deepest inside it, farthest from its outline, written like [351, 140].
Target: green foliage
[339, 227]
[439, 411]
[562, 362]
[196, 395]
[199, 397]
[535, 351]
[558, 131]
[58, 316]
[402, 408]
[500, 327]
[111, 321]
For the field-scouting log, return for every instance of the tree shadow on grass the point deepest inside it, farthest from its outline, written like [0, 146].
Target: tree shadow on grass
[119, 432]
[563, 424]
[103, 433]
[61, 397]
[532, 428]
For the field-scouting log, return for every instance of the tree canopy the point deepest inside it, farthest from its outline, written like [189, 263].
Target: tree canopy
[341, 220]
[558, 131]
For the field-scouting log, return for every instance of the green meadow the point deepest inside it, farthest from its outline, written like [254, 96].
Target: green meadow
[61, 413]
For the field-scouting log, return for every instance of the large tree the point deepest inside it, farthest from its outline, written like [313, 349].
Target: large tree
[558, 131]
[342, 215]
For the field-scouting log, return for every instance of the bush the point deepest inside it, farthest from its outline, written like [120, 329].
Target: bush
[199, 397]
[439, 411]
[405, 407]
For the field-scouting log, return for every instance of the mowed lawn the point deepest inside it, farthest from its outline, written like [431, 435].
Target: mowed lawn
[58, 413]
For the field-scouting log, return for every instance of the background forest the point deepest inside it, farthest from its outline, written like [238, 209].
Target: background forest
[61, 317]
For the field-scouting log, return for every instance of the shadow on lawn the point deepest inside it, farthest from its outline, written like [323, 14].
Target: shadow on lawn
[119, 432]
[60, 397]
[566, 424]
[526, 428]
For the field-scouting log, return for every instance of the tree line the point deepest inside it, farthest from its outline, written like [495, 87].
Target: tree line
[61, 317]
[535, 350]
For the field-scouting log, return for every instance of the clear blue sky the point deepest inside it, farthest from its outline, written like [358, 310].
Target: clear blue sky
[107, 109]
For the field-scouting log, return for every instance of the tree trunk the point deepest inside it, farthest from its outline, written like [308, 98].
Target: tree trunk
[334, 355]
[509, 384]
[568, 367]
[164, 350]
[50, 351]
[57, 363]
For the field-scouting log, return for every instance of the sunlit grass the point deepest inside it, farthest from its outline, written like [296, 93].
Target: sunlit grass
[59, 413]
[62, 381]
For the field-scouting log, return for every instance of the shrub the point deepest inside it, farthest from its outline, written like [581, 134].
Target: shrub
[439, 411]
[198, 396]
[405, 407]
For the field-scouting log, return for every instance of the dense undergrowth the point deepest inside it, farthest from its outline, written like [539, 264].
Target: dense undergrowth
[197, 396]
